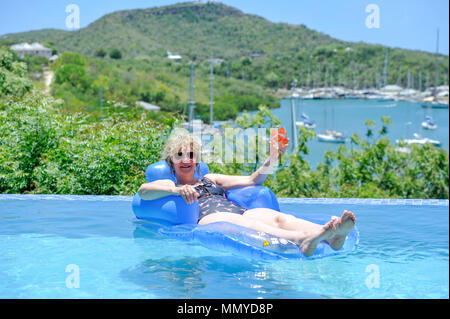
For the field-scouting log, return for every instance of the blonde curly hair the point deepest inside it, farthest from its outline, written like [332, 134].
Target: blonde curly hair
[181, 139]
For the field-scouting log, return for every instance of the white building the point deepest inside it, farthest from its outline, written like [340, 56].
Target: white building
[148, 106]
[31, 49]
[174, 57]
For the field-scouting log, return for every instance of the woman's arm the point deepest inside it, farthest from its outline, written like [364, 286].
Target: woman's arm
[232, 181]
[257, 178]
[157, 189]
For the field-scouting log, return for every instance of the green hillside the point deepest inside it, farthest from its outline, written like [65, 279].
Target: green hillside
[194, 30]
[189, 29]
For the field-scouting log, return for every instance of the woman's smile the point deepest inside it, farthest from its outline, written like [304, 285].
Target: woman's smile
[185, 167]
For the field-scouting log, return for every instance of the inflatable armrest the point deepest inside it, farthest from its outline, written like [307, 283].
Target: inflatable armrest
[170, 210]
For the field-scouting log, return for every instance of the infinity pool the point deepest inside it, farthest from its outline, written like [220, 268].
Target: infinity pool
[93, 247]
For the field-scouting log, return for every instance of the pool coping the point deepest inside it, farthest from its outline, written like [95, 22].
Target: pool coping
[283, 200]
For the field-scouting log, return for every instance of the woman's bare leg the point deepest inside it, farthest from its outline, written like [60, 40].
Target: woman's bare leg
[281, 220]
[289, 222]
[306, 240]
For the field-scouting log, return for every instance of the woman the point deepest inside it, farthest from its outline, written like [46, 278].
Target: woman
[182, 152]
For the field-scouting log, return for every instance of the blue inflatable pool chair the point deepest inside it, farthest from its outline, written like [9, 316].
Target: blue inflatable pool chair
[179, 219]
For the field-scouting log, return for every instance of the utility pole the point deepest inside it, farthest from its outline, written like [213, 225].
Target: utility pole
[211, 93]
[191, 96]
[101, 102]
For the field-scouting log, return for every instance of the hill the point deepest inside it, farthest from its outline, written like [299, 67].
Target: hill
[253, 48]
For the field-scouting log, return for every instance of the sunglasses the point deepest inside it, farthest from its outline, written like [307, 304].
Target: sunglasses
[180, 155]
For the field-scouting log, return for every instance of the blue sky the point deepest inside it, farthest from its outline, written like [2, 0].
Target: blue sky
[409, 24]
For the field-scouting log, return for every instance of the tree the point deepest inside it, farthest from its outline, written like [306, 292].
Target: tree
[101, 53]
[115, 54]
[271, 80]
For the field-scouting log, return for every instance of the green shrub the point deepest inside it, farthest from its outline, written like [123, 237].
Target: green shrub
[115, 54]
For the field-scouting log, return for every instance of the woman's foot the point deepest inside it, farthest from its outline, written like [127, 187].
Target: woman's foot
[308, 245]
[343, 226]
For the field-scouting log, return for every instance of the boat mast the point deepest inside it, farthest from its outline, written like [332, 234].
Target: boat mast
[409, 79]
[420, 81]
[399, 80]
[385, 67]
[436, 77]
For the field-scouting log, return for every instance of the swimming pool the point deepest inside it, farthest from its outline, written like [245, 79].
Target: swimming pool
[93, 247]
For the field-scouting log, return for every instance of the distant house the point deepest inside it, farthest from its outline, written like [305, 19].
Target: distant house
[216, 61]
[256, 55]
[53, 58]
[148, 106]
[174, 57]
[31, 49]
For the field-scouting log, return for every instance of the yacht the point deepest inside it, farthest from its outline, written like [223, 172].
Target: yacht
[435, 105]
[420, 140]
[429, 123]
[404, 150]
[331, 137]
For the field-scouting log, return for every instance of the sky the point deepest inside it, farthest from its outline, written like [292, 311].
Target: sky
[409, 24]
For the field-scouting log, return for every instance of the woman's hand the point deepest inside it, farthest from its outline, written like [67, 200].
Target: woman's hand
[278, 145]
[188, 192]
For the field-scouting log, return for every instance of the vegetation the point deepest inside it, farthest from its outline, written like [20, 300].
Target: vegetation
[45, 150]
[78, 80]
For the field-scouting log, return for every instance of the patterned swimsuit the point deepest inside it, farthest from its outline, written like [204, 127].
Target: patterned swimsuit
[212, 199]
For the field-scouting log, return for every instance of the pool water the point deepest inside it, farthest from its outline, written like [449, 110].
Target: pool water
[93, 247]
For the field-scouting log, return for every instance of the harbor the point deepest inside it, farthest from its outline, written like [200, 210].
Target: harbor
[349, 117]
[430, 98]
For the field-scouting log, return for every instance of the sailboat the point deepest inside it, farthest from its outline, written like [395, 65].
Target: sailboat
[331, 136]
[306, 122]
[429, 123]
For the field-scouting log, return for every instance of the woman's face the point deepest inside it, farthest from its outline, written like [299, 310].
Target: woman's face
[184, 163]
